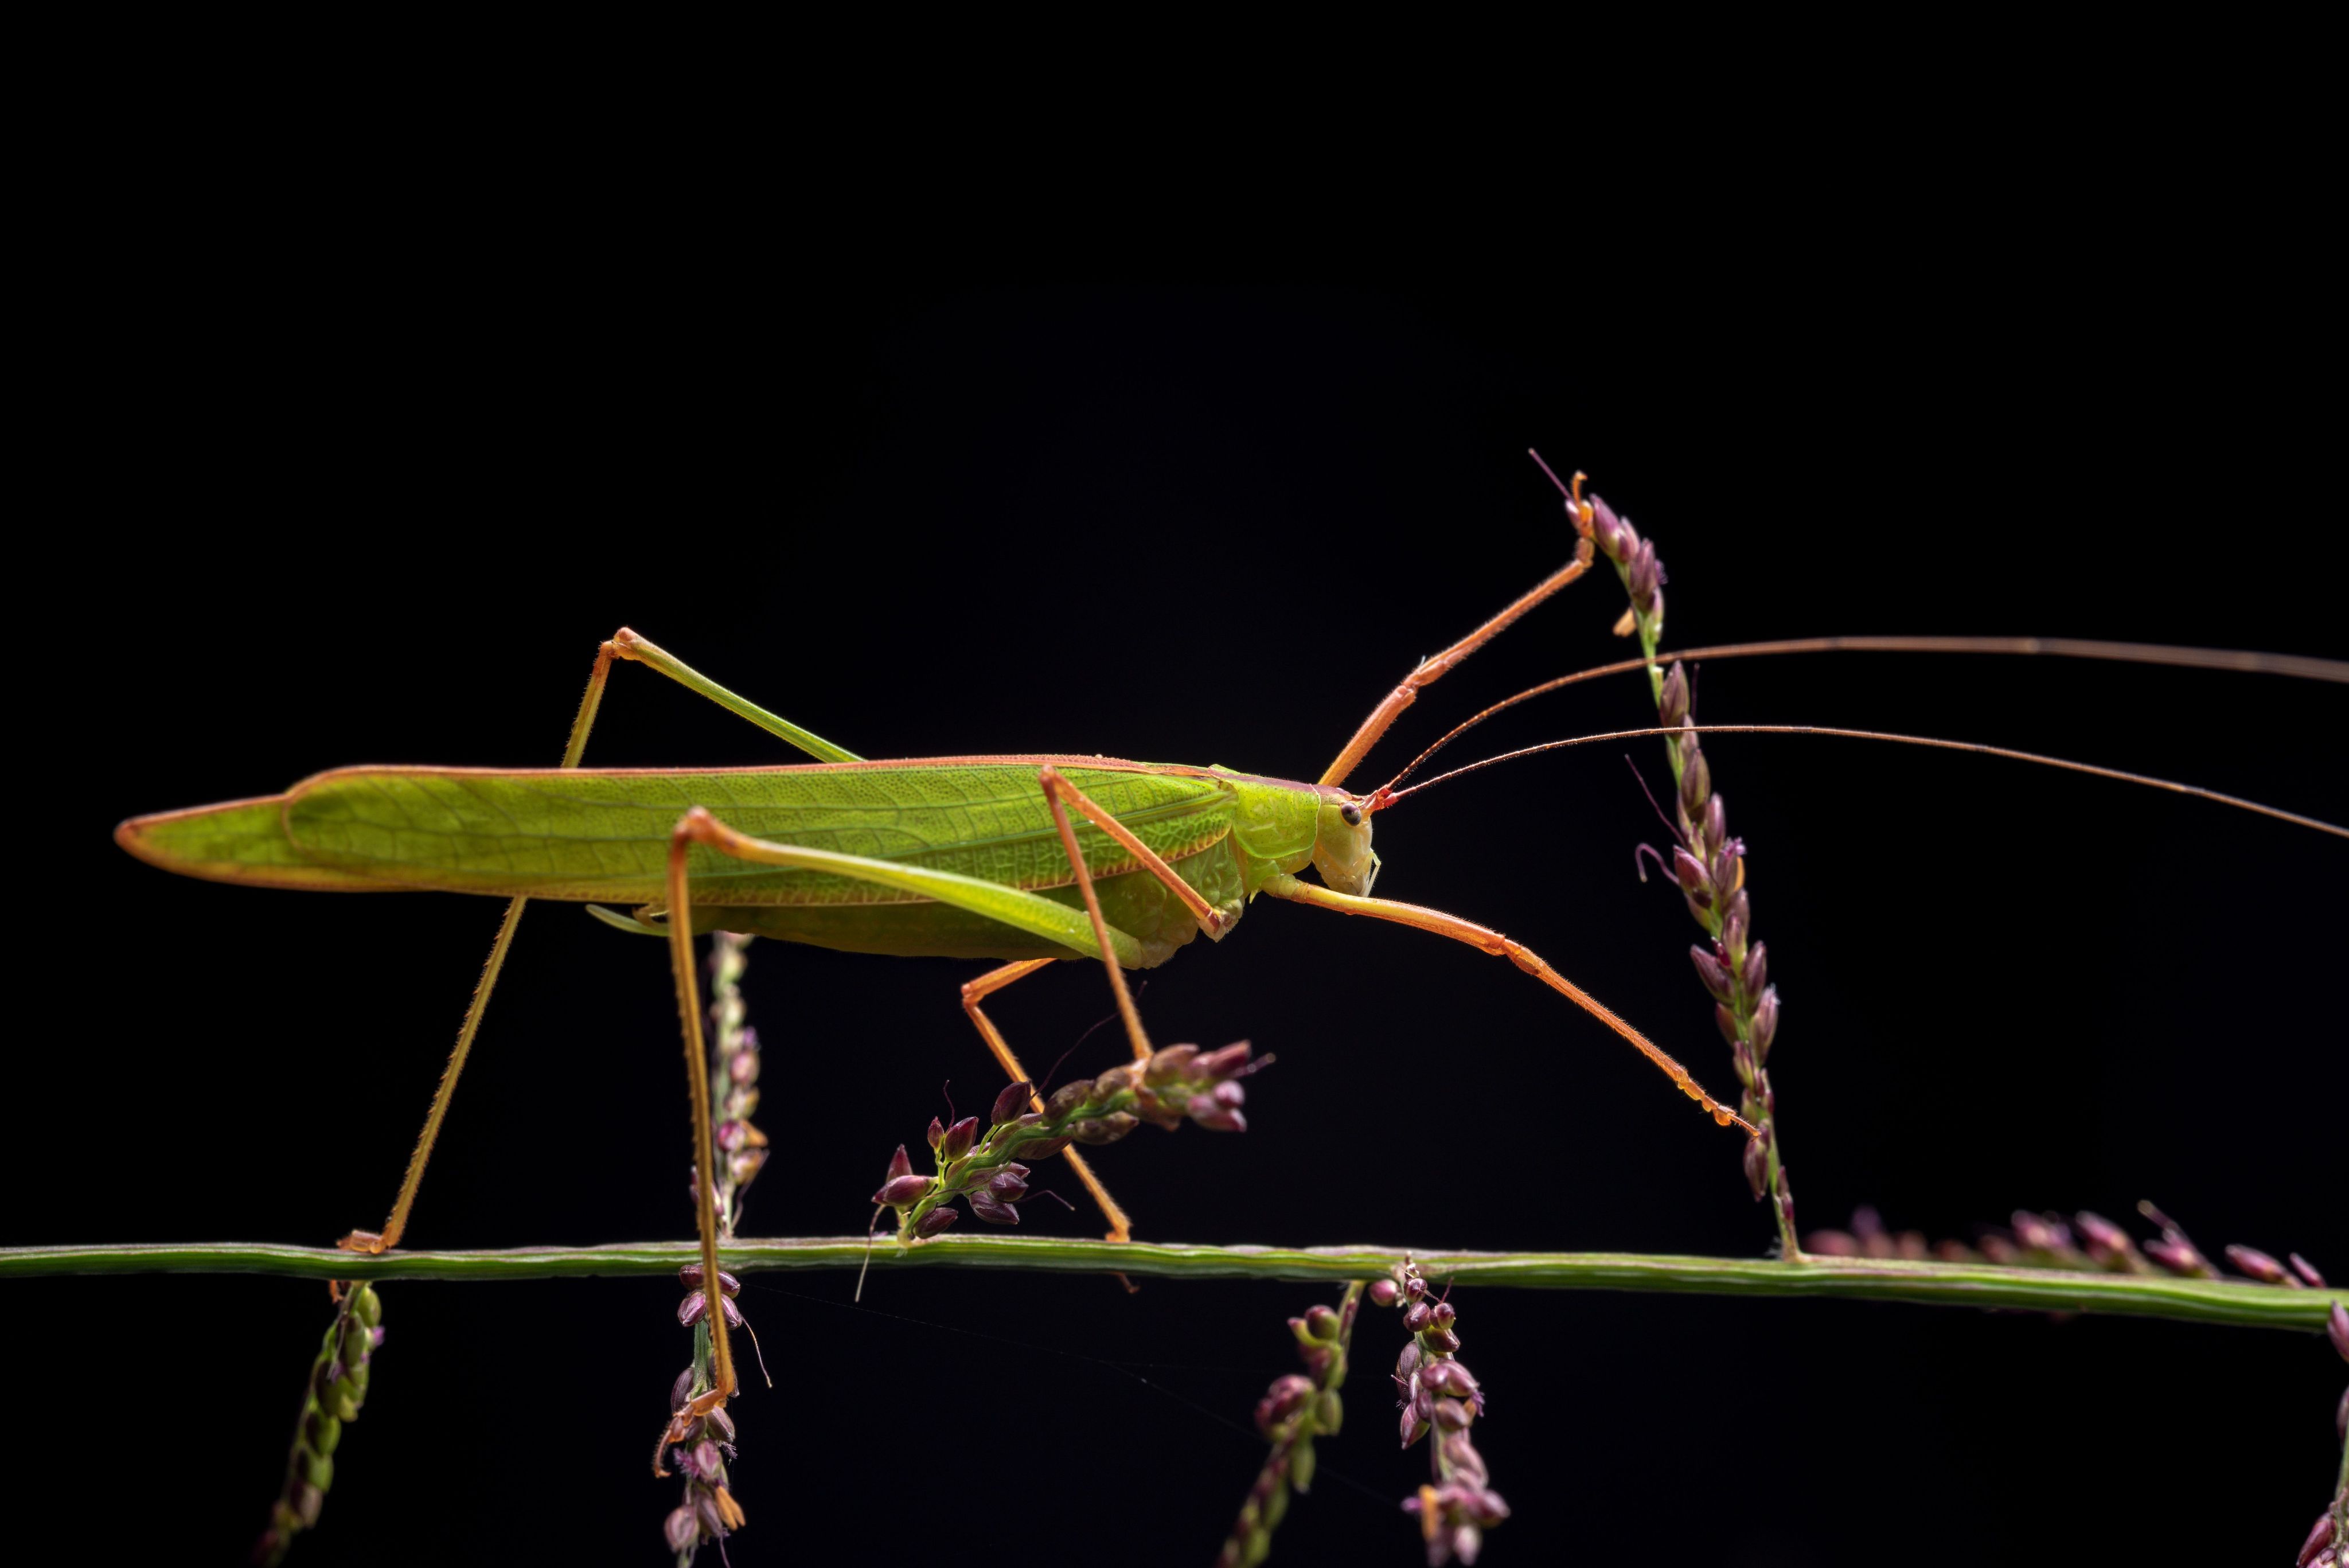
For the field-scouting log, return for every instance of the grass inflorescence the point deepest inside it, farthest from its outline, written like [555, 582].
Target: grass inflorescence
[2327, 1543]
[742, 1148]
[2085, 1242]
[332, 1398]
[699, 1442]
[2089, 1243]
[1708, 863]
[1297, 1409]
[1438, 1395]
[989, 1170]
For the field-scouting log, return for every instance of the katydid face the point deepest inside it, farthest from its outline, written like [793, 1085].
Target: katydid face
[1341, 848]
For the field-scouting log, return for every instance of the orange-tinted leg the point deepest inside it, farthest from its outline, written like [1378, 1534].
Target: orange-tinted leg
[1486, 940]
[1431, 671]
[622, 644]
[374, 1241]
[690, 831]
[1018, 908]
[1056, 785]
[1059, 796]
[977, 991]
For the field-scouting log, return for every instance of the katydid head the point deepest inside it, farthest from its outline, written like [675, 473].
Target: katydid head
[1341, 844]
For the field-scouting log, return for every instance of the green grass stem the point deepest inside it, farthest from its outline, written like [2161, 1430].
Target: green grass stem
[2242, 1303]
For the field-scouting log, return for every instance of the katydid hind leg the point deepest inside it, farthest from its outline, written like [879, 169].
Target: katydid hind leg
[582, 723]
[627, 644]
[622, 644]
[690, 831]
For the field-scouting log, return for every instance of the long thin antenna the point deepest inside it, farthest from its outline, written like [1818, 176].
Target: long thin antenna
[2298, 666]
[1554, 479]
[1384, 798]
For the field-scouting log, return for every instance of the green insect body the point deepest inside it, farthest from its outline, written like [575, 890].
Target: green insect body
[1018, 858]
[958, 829]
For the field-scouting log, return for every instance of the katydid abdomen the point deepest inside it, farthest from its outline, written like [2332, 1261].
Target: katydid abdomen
[602, 836]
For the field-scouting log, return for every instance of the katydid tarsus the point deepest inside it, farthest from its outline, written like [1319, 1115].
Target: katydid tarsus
[1027, 859]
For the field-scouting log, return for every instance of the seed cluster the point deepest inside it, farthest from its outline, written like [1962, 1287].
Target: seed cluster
[1708, 863]
[1439, 1395]
[699, 1448]
[1735, 970]
[2090, 1243]
[2087, 1242]
[989, 1172]
[1294, 1410]
[741, 1149]
[2327, 1546]
[338, 1388]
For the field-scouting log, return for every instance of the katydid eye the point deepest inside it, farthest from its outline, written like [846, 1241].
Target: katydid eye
[1353, 815]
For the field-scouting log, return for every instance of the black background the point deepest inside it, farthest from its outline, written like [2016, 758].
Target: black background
[376, 498]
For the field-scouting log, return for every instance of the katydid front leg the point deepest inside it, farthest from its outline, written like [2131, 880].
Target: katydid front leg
[1059, 796]
[1485, 940]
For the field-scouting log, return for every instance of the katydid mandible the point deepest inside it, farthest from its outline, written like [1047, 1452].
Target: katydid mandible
[974, 856]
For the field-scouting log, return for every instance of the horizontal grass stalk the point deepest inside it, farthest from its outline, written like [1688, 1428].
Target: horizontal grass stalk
[2244, 1304]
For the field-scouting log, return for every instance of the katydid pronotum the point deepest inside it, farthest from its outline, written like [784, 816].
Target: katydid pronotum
[976, 857]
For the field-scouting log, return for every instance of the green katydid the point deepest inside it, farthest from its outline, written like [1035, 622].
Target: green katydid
[959, 856]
